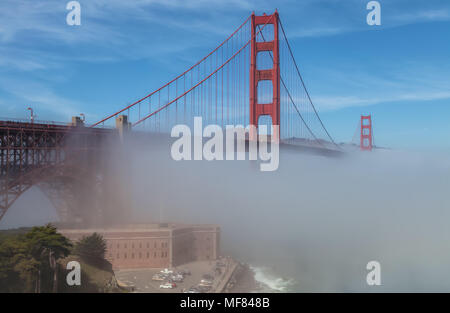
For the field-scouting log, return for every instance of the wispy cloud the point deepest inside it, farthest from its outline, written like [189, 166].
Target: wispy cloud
[35, 38]
[44, 100]
[111, 30]
[350, 16]
[423, 16]
[405, 83]
[332, 103]
[115, 29]
[317, 32]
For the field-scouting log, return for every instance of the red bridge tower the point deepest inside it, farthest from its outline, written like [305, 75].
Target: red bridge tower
[366, 132]
[259, 109]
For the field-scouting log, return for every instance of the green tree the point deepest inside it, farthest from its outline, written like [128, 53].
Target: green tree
[15, 274]
[47, 246]
[91, 248]
[26, 260]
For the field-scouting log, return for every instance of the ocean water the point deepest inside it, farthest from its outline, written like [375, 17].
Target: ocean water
[271, 282]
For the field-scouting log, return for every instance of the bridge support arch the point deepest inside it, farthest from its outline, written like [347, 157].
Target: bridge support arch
[74, 166]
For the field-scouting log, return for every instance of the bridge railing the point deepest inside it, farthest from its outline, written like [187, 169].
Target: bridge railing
[46, 122]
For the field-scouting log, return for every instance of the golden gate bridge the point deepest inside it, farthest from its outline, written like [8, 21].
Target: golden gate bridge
[251, 78]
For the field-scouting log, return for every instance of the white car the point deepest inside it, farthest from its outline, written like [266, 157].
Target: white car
[166, 286]
[177, 277]
[166, 271]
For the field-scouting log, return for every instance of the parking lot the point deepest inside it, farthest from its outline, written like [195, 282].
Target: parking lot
[142, 280]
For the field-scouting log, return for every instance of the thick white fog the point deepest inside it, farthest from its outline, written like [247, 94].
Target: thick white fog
[316, 221]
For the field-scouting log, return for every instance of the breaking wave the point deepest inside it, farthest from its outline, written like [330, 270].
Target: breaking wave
[268, 279]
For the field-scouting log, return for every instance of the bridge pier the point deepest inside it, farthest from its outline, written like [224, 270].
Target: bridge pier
[77, 122]
[122, 125]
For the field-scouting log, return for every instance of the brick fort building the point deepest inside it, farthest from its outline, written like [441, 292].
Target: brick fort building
[155, 245]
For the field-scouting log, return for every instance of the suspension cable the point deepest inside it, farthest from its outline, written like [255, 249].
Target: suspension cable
[167, 84]
[203, 80]
[292, 100]
[304, 86]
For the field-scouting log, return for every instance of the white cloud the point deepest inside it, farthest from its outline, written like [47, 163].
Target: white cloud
[111, 30]
[120, 30]
[43, 99]
[406, 82]
[332, 103]
[317, 32]
[421, 16]
[117, 29]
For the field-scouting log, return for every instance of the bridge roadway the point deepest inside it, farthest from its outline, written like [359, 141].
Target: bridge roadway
[67, 161]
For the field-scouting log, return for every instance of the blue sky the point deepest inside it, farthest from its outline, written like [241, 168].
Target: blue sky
[399, 71]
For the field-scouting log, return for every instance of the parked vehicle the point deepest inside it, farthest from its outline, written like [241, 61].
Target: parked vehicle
[181, 273]
[177, 278]
[166, 271]
[192, 290]
[202, 288]
[158, 277]
[166, 286]
[208, 277]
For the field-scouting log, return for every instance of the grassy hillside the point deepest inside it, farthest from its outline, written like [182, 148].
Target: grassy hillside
[97, 277]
